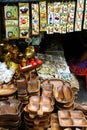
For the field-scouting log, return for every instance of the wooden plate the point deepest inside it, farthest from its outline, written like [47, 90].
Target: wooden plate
[72, 118]
[29, 67]
[7, 91]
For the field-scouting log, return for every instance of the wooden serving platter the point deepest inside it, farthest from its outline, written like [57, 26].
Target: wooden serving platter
[72, 118]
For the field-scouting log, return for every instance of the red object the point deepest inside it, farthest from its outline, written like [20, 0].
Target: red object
[32, 59]
[31, 62]
[83, 74]
[34, 63]
[23, 21]
[78, 72]
[39, 61]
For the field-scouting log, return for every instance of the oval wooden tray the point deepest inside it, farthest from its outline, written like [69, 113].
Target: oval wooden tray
[7, 91]
[29, 67]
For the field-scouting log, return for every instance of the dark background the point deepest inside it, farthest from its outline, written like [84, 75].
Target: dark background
[74, 44]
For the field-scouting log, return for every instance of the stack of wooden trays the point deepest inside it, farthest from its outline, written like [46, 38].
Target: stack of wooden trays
[22, 91]
[63, 95]
[47, 90]
[36, 123]
[68, 120]
[10, 113]
[33, 87]
[37, 112]
[81, 106]
[55, 122]
[7, 91]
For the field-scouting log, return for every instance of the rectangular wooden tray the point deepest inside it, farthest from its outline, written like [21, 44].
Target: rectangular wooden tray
[72, 118]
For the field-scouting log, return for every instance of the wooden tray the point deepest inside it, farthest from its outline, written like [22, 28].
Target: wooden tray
[10, 123]
[63, 94]
[33, 86]
[11, 107]
[72, 118]
[29, 67]
[40, 105]
[56, 82]
[7, 91]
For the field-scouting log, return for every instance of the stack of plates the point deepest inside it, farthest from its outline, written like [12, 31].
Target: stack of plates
[63, 95]
[36, 122]
[37, 112]
[81, 106]
[55, 122]
[66, 106]
[33, 87]
[2, 128]
[47, 90]
[22, 91]
[10, 113]
[8, 92]
[24, 98]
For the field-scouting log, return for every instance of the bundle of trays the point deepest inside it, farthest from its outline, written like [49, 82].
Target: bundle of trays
[64, 96]
[7, 91]
[10, 113]
[39, 105]
[22, 90]
[81, 106]
[54, 123]
[67, 120]
[27, 89]
[62, 93]
[33, 88]
[37, 123]
[37, 112]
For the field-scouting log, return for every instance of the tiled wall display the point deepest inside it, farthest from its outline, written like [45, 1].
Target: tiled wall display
[35, 18]
[24, 22]
[85, 16]
[29, 19]
[57, 10]
[79, 15]
[71, 16]
[63, 17]
[43, 15]
[50, 16]
[11, 21]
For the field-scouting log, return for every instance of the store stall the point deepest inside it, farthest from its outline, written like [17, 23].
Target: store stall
[38, 91]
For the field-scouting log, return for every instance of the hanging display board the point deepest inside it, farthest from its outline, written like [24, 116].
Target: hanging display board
[43, 15]
[18, 1]
[79, 15]
[71, 16]
[24, 21]
[35, 18]
[30, 19]
[11, 22]
[57, 10]
[85, 16]
[50, 15]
